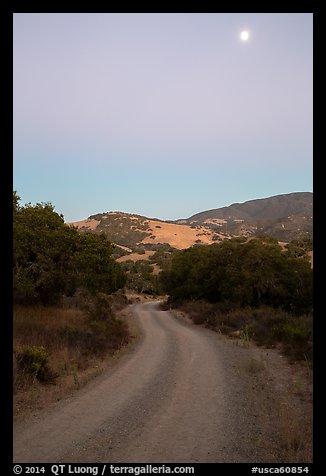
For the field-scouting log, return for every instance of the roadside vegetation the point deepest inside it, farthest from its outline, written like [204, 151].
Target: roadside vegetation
[251, 289]
[69, 292]
[52, 259]
[55, 342]
[67, 295]
[142, 275]
[255, 291]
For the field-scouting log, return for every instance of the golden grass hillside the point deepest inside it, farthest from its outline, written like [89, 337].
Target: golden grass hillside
[132, 231]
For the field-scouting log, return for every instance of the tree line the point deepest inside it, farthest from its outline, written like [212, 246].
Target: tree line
[241, 273]
[52, 259]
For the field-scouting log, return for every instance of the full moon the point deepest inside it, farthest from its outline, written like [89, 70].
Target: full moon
[244, 35]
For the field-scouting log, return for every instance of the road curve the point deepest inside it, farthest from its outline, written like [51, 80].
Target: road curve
[178, 397]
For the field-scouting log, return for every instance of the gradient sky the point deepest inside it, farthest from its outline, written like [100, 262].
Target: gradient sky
[163, 115]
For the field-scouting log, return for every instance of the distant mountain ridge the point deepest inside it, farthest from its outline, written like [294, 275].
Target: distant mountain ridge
[285, 217]
[275, 207]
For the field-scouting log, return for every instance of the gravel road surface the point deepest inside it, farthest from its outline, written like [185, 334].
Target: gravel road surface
[181, 395]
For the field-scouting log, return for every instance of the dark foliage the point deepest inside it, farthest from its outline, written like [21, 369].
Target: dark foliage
[51, 259]
[252, 274]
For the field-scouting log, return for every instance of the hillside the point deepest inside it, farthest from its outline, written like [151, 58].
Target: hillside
[278, 206]
[285, 217]
[135, 232]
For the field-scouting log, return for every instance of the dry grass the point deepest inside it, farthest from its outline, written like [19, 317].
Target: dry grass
[290, 404]
[135, 256]
[282, 396]
[280, 386]
[41, 326]
[178, 236]
[254, 366]
[295, 432]
[77, 350]
[89, 223]
[35, 325]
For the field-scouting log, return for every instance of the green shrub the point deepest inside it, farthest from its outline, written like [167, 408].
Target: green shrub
[247, 274]
[34, 361]
[105, 332]
[295, 333]
[265, 325]
[247, 332]
[74, 337]
[52, 259]
[106, 336]
[99, 307]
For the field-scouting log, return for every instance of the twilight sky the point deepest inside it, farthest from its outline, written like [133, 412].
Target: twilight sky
[163, 115]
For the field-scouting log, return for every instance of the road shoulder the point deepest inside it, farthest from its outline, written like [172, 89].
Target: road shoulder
[282, 392]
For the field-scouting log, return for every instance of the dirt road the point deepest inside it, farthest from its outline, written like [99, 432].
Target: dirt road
[182, 395]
